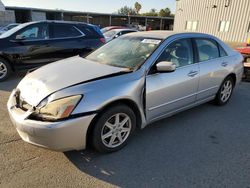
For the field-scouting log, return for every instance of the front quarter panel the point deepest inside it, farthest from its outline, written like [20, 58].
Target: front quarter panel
[100, 93]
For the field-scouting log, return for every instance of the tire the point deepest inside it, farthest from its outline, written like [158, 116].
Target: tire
[5, 70]
[108, 136]
[225, 92]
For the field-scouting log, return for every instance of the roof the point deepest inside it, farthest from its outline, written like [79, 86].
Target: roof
[154, 34]
[58, 21]
[160, 34]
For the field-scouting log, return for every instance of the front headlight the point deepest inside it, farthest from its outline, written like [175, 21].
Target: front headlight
[58, 109]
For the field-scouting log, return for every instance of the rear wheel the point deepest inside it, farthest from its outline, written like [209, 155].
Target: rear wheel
[225, 91]
[113, 129]
[5, 70]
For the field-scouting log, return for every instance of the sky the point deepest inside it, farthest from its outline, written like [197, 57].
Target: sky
[101, 6]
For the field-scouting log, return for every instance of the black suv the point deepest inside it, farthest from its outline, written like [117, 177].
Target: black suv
[34, 44]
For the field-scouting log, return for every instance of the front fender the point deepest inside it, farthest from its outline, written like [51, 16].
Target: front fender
[100, 93]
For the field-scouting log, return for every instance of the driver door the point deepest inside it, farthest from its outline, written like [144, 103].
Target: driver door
[31, 45]
[168, 92]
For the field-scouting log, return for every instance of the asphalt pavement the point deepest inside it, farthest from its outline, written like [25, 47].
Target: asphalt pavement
[207, 146]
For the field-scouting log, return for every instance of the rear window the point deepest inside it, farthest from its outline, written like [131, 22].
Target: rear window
[128, 31]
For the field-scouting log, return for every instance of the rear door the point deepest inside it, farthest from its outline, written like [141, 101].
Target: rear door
[93, 37]
[66, 40]
[213, 67]
[169, 92]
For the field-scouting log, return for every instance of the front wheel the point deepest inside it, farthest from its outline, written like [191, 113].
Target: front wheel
[225, 91]
[113, 129]
[5, 70]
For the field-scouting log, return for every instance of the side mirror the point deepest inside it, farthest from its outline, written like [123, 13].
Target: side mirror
[165, 66]
[20, 37]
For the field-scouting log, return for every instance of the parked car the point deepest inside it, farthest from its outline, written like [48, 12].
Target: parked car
[106, 29]
[7, 27]
[137, 26]
[128, 83]
[115, 33]
[34, 44]
[245, 51]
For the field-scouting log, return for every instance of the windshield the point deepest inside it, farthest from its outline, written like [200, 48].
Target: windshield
[13, 30]
[110, 34]
[129, 52]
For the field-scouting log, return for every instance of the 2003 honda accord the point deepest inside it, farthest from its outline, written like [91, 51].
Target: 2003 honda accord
[130, 82]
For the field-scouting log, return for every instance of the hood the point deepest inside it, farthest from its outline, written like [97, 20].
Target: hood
[53, 77]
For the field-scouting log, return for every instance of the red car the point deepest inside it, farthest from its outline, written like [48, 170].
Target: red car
[105, 29]
[245, 51]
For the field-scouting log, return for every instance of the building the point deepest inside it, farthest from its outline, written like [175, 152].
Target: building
[227, 19]
[6, 16]
[2, 8]
[26, 14]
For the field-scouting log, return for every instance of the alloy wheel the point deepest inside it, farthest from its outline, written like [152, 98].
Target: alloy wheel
[116, 130]
[3, 70]
[226, 91]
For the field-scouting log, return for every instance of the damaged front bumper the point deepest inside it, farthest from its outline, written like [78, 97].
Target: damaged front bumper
[64, 135]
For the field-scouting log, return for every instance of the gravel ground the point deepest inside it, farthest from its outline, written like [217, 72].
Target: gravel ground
[207, 146]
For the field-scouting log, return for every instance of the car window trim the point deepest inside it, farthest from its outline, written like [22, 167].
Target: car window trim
[219, 46]
[209, 39]
[149, 72]
[51, 39]
[60, 38]
[27, 27]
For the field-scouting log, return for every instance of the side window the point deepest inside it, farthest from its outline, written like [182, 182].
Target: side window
[223, 53]
[207, 49]
[88, 31]
[35, 32]
[64, 31]
[179, 52]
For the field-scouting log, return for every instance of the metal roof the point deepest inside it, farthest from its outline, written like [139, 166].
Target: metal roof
[86, 13]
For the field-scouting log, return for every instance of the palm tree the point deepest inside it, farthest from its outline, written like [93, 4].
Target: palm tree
[137, 7]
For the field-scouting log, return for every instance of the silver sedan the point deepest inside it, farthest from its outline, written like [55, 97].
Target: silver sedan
[126, 84]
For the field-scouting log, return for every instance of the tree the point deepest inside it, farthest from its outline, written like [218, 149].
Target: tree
[137, 7]
[127, 11]
[152, 12]
[165, 12]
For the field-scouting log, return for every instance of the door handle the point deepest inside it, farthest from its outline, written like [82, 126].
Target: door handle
[192, 73]
[224, 64]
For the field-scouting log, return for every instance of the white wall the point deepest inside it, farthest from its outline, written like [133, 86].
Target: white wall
[37, 16]
[7, 17]
[208, 14]
[2, 8]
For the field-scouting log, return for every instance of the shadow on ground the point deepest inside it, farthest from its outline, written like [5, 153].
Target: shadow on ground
[195, 148]
[12, 82]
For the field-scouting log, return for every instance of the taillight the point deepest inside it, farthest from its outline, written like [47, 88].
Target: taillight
[103, 40]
